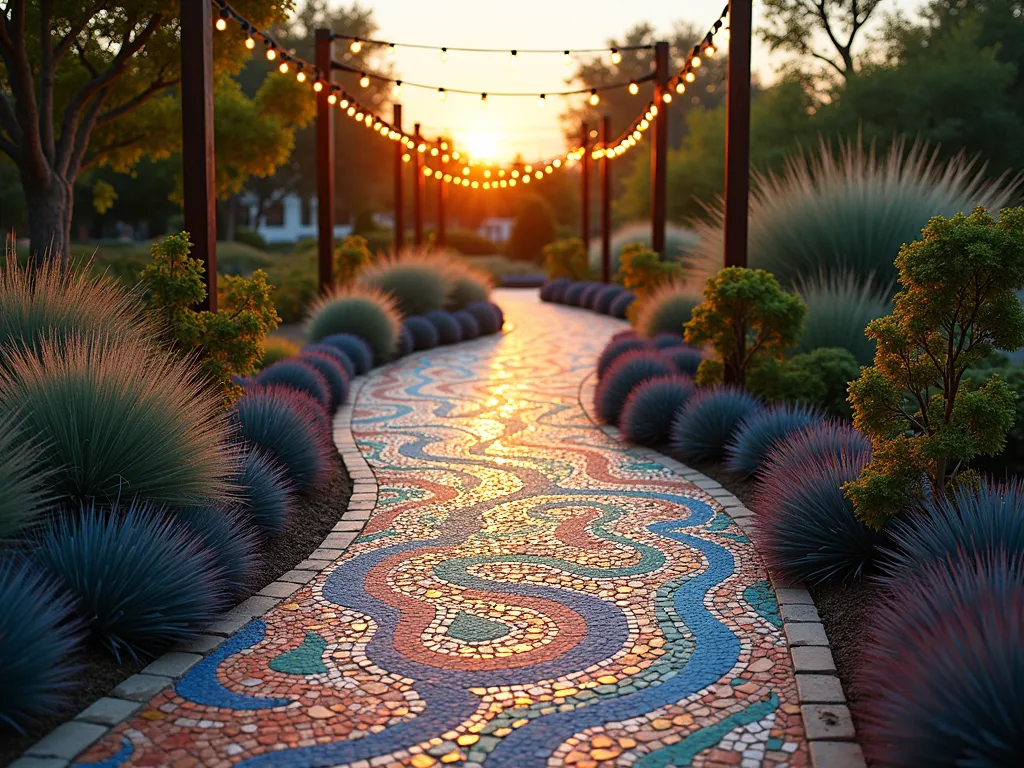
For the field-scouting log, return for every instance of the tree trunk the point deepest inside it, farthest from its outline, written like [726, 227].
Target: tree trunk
[50, 204]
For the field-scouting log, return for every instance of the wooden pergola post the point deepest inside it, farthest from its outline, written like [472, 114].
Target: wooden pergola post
[399, 187]
[324, 162]
[606, 201]
[442, 195]
[585, 181]
[417, 191]
[198, 188]
[659, 151]
[737, 135]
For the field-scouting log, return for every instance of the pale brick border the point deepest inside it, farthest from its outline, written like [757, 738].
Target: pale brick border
[65, 742]
[829, 727]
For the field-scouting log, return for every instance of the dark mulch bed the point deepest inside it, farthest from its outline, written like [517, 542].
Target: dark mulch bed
[315, 517]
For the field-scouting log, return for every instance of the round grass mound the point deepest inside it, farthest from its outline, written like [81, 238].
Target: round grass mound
[358, 351]
[620, 304]
[558, 290]
[552, 287]
[487, 316]
[332, 371]
[701, 429]
[603, 298]
[762, 430]
[824, 438]
[406, 343]
[424, 333]
[686, 358]
[589, 294]
[417, 285]
[298, 374]
[647, 413]
[372, 315]
[573, 293]
[265, 492]
[467, 323]
[448, 329]
[468, 283]
[230, 538]
[340, 357]
[615, 349]
[624, 375]
[666, 310]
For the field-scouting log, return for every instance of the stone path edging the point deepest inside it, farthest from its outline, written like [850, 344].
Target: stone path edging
[65, 742]
[829, 726]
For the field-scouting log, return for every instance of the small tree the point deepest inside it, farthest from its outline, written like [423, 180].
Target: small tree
[351, 256]
[534, 228]
[745, 317]
[957, 305]
[566, 258]
[228, 342]
[641, 270]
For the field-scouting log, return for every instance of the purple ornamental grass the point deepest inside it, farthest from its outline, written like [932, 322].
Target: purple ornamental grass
[686, 358]
[824, 438]
[551, 287]
[467, 323]
[701, 429]
[298, 375]
[647, 413]
[357, 349]
[665, 339]
[406, 343]
[572, 294]
[423, 332]
[265, 492]
[616, 348]
[604, 298]
[230, 537]
[759, 431]
[336, 354]
[333, 373]
[620, 304]
[487, 315]
[448, 329]
[627, 372]
[558, 289]
[589, 294]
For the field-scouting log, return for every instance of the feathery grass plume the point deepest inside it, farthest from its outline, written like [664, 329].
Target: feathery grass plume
[299, 374]
[618, 346]
[468, 283]
[623, 376]
[139, 579]
[551, 287]
[357, 349]
[849, 212]
[38, 635]
[120, 420]
[620, 304]
[680, 244]
[332, 371]
[822, 438]
[701, 429]
[467, 324]
[573, 293]
[48, 302]
[265, 493]
[448, 329]
[336, 355]
[291, 428]
[406, 344]
[686, 358]
[276, 349]
[424, 333]
[763, 429]
[839, 308]
[647, 413]
[942, 673]
[488, 316]
[418, 280]
[368, 313]
[605, 296]
[231, 539]
[23, 494]
[806, 529]
[666, 308]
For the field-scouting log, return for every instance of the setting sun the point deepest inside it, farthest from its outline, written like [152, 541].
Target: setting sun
[481, 145]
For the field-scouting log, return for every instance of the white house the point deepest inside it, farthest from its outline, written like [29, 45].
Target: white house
[287, 220]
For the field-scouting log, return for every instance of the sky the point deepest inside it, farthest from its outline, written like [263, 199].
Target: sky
[510, 126]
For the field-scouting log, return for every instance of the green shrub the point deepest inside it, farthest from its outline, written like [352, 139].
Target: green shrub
[1011, 460]
[380, 241]
[276, 348]
[351, 257]
[251, 238]
[666, 309]
[956, 306]
[368, 313]
[295, 288]
[567, 259]
[533, 229]
[469, 243]
[227, 342]
[679, 247]
[418, 282]
[747, 319]
[839, 308]
[819, 378]
[850, 212]
[641, 270]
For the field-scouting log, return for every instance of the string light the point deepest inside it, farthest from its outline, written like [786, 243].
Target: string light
[397, 90]
[364, 81]
[594, 99]
[695, 62]
[709, 50]
[271, 53]
[542, 101]
[514, 60]
[283, 67]
[680, 88]
[616, 56]
[301, 76]
[444, 55]
[441, 94]
[567, 59]
[667, 97]
[249, 42]
[318, 86]
[331, 99]
[634, 88]
[690, 77]
[483, 100]
[356, 46]
[221, 24]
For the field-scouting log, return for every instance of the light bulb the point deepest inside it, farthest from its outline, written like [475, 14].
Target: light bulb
[666, 97]
[422, 147]
[283, 67]
[351, 111]
[557, 163]
[364, 81]
[654, 111]
[447, 178]
[616, 56]
[250, 43]
[444, 54]
[300, 76]
[487, 185]
[644, 124]
[689, 77]
[542, 101]
[456, 155]
[501, 173]
[221, 25]
[427, 172]
[445, 158]
[695, 62]
[514, 60]
[634, 88]
[441, 94]
[483, 100]
[434, 152]
[567, 59]
[438, 175]
[527, 179]
[503, 184]
[391, 51]
[475, 184]
[397, 90]
[726, 34]
[709, 51]
[465, 171]
[359, 116]
[528, 168]
[511, 182]
[487, 173]
[355, 46]
[318, 86]
[680, 88]
[515, 174]
[406, 157]
[539, 174]
[595, 99]
[271, 54]
[344, 103]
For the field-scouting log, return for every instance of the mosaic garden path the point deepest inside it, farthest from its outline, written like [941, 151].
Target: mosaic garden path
[527, 593]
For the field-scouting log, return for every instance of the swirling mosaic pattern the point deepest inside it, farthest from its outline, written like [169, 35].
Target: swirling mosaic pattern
[527, 593]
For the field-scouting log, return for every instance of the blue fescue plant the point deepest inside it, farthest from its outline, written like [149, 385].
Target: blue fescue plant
[550, 287]
[301, 375]
[624, 375]
[805, 526]
[417, 282]
[332, 371]
[942, 671]
[139, 580]
[406, 344]
[589, 294]
[448, 329]
[760, 431]
[467, 324]
[499, 315]
[620, 304]
[424, 334]
[666, 339]
[336, 354]
[357, 349]
[686, 358]
[823, 438]
[604, 298]
[38, 637]
[23, 495]
[701, 429]
[616, 348]
[647, 413]
[290, 428]
[839, 308]
[488, 316]
[368, 313]
[230, 538]
[558, 290]
[265, 492]
[666, 308]
[573, 293]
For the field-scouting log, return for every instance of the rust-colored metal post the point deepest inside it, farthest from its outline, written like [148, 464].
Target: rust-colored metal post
[198, 189]
[606, 201]
[585, 181]
[417, 191]
[659, 151]
[399, 190]
[324, 162]
[442, 194]
[737, 135]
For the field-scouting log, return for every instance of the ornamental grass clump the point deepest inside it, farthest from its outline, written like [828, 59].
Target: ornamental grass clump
[573, 293]
[468, 283]
[467, 324]
[333, 372]
[551, 288]
[620, 304]
[290, 428]
[616, 348]
[763, 429]
[851, 211]
[448, 329]
[942, 672]
[839, 308]
[686, 358]
[820, 438]
[24, 498]
[605, 297]
[355, 347]
[488, 315]
[118, 419]
[301, 375]
[647, 413]
[38, 635]
[703, 427]
[666, 309]
[139, 580]
[368, 313]
[589, 294]
[406, 344]
[265, 493]
[805, 526]
[418, 282]
[622, 377]
[229, 536]
[424, 333]
[957, 305]
[337, 356]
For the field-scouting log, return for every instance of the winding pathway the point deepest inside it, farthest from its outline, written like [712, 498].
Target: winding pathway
[527, 593]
